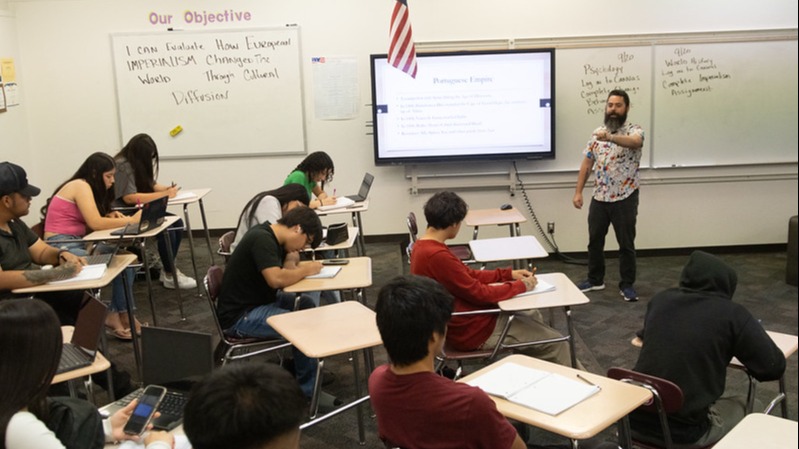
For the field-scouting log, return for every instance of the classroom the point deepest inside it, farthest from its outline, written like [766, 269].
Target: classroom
[69, 97]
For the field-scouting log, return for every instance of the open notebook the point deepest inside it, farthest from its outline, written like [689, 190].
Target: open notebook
[87, 273]
[326, 273]
[541, 287]
[341, 202]
[536, 389]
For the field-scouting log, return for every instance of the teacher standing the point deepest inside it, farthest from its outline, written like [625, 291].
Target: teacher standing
[613, 155]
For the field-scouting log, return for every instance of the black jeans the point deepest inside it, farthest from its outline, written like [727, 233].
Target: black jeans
[622, 215]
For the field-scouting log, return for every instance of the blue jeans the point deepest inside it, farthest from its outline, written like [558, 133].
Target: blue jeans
[174, 238]
[253, 324]
[622, 215]
[118, 303]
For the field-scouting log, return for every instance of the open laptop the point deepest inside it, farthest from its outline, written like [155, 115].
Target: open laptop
[175, 359]
[105, 258]
[152, 215]
[363, 192]
[80, 351]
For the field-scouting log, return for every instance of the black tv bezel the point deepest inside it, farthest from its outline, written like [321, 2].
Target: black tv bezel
[383, 161]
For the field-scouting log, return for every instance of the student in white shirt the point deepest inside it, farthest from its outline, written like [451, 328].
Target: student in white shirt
[269, 206]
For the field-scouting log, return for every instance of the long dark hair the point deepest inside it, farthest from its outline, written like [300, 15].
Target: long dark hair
[92, 171]
[284, 195]
[142, 155]
[315, 163]
[30, 348]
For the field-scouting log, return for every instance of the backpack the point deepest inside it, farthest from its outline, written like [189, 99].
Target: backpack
[75, 422]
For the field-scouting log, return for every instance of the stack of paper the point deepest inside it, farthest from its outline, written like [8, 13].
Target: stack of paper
[541, 287]
[536, 389]
[341, 201]
[326, 273]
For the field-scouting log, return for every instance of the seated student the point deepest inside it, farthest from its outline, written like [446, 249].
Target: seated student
[265, 262]
[690, 335]
[415, 407]
[269, 206]
[478, 289]
[29, 326]
[269, 408]
[313, 173]
[21, 248]
[83, 203]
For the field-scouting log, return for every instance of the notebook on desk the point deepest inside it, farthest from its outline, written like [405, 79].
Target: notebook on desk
[81, 349]
[363, 192]
[152, 215]
[176, 359]
[341, 202]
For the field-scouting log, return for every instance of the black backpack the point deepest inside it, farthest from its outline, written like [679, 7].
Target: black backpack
[76, 423]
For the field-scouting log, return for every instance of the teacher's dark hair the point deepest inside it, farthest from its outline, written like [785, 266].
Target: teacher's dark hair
[30, 348]
[622, 94]
[142, 154]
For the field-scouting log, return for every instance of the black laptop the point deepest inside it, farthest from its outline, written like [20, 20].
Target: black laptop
[105, 257]
[175, 359]
[152, 215]
[363, 192]
[81, 349]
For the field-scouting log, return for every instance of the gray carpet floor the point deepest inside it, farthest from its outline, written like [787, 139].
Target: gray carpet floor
[604, 327]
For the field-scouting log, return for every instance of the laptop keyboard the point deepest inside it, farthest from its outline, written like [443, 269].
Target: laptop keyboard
[97, 259]
[172, 404]
[71, 358]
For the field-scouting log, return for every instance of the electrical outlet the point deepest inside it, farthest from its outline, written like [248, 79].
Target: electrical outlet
[551, 227]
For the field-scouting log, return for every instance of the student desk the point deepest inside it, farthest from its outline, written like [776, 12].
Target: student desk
[355, 276]
[355, 210]
[524, 247]
[788, 344]
[759, 431]
[352, 234]
[184, 198]
[565, 295]
[181, 441]
[487, 217]
[169, 220]
[586, 419]
[333, 329]
[100, 364]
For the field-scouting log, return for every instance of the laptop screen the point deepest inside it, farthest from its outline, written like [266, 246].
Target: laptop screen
[366, 185]
[89, 324]
[175, 358]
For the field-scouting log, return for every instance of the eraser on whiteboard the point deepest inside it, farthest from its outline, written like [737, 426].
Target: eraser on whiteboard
[175, 131]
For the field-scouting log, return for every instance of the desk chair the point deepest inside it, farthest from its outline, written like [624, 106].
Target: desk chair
[224, 244]
[235, 348]
[667, 398]
[462, 251]
[488, 355]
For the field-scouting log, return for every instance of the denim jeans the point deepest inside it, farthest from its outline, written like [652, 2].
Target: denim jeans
[174, 238]
[253, 324]
[118, 303]
[622, 215]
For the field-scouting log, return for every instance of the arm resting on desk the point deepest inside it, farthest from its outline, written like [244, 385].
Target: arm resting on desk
[758, 352]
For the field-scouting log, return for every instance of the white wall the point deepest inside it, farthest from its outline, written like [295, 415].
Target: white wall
[70, 106]
[14, 143]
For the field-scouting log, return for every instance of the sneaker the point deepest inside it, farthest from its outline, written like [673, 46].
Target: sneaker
[629, 293]
[328, 402]
[184, 282]
[587, 286]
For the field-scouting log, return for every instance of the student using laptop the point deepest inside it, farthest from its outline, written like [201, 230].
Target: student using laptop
[135, 184]
[29, 326]
[313, 173]
[82, 204]
[269, 409]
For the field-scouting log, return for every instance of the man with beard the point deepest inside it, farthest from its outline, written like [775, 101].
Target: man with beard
[614, 154]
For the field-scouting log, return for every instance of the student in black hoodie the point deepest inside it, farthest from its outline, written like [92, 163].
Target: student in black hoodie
[690, 335]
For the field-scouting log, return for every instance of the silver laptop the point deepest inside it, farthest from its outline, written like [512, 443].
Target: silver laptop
[105, 258]
[81, 349]
[175, 359]
[363, 192]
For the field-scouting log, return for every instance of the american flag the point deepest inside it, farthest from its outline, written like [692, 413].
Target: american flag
[401, 51]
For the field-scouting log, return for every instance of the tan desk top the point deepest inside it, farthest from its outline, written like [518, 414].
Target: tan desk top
[356, 274]
[105, 234]
[329, 330]
[759, 431]
[565, 294]
[357, 207]
[100, 363]
[584, 420]
[198, 195]
[118, 263]
[507, 248]
[487, 217]
[786, 342]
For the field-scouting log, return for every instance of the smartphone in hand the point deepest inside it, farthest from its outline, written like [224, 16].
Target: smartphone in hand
[145, 409]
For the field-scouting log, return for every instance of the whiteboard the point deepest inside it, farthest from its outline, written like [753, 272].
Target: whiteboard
[220, 93]
[725, 104]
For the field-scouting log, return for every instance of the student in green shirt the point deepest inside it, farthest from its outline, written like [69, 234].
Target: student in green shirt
[313, 173]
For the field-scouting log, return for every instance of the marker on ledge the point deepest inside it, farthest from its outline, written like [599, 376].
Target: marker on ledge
[175, 131]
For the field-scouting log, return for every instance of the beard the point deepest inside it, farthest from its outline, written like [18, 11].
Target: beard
[614, 122]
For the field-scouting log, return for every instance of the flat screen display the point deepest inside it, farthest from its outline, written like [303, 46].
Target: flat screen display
[465, 106]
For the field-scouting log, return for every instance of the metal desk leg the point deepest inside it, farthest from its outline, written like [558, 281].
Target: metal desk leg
[191, 249]
[132, 319]
[474, 233]
[358, 409]
[570, 326]
[625, 437]
[207, 233]
[175, 273]
[149, 280]
[317, 389]
[356, 221]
